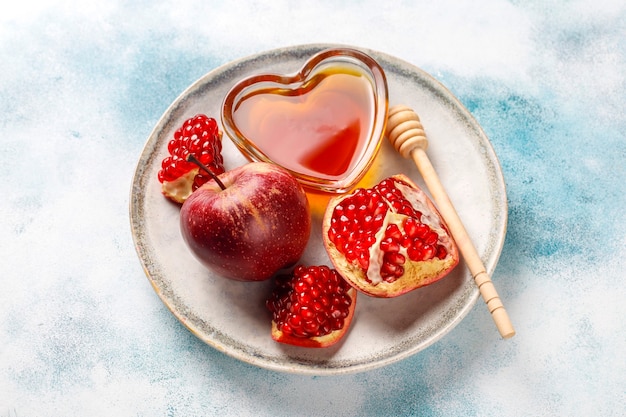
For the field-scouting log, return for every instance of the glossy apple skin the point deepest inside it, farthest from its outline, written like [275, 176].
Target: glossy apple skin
[259, 224]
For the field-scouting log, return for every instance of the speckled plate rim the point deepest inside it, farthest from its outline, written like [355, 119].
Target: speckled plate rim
[301, 365]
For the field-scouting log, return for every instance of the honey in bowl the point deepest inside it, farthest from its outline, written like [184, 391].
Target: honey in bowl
[319, 129]
[323, 124]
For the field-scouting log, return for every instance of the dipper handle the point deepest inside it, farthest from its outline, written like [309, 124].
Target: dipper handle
[406, 134]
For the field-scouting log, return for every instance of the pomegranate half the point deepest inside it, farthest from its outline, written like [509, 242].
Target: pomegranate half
[388, 239]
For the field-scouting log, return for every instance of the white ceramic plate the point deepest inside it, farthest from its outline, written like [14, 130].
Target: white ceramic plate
[231, 316]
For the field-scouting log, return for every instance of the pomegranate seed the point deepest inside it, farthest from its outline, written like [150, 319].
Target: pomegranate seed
[338, 323]
[415, 253]
[415, 250]
[317, 307]
[295, 322]
[287, 328]
[414, 229]
[388, 245]
[429, 252]
[395, 258]
[307, 314]
[301, 286]
[392, 270]
[315, 292]
[364, 260]
[431, 238]
[311, 327]
[393, 232]
[396, 205]
[350, 254]
[380, 209]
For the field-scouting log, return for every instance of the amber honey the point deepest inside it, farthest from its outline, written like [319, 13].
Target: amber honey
[320, 128]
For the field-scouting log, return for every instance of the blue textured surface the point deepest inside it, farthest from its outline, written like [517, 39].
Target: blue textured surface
[82, 84]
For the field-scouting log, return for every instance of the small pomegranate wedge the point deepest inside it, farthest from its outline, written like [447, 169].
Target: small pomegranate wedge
[312, 307]
[389, 239]
[200, 137]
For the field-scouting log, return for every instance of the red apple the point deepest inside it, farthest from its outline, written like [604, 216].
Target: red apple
[256, 225]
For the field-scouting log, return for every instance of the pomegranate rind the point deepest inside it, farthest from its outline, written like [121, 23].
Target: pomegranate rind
[181, 188]
[416, 274]
[326, 340]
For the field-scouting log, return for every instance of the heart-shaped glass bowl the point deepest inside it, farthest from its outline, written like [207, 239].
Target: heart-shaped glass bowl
[323, 123]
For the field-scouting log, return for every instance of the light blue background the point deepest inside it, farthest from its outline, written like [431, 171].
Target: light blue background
[82, 84]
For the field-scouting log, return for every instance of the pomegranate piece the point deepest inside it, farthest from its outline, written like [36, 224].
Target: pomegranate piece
[311, 307]
[201, 137]
[389, 239]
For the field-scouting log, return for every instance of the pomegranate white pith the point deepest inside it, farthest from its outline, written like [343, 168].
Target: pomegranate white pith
[389, 239]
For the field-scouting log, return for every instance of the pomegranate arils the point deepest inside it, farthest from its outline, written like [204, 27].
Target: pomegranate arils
[199, 136]
[311, 302]
[353, 224]
[415, 229]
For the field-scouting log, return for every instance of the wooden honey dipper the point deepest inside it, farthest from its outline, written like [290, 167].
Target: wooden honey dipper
[406, 134]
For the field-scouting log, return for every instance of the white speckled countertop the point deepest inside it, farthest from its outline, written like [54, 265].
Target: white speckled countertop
[82, 332]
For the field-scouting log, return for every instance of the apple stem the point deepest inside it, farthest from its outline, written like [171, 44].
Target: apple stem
[192, 158]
